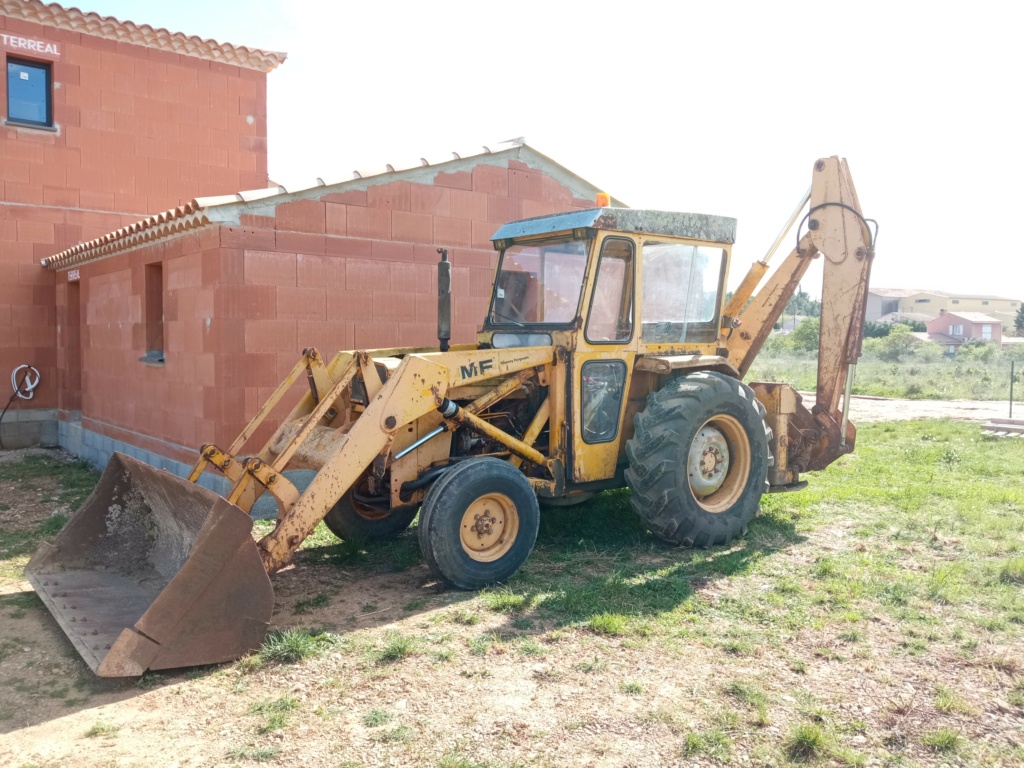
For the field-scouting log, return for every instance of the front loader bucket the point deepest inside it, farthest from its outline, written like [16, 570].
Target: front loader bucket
[154, 572]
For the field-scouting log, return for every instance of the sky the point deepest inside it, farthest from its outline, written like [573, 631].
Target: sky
[707, 107]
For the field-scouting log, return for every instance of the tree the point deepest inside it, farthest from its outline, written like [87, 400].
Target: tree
[917, 326]
[875, 330]
[803, 304]
[1018, 322]
[898, 345]
[805, 335]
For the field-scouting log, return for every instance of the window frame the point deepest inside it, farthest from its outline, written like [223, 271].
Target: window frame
[153, 314]
[630, 286]
[608, 363]
[47, 68]
[498, 325]
[712, 326]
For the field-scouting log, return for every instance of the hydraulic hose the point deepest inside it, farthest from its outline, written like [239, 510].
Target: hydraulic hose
[22, 389]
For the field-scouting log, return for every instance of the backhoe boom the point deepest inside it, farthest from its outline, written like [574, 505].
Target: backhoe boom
[836, 230]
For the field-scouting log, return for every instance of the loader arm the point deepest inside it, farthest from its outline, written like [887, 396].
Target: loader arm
[837, 230]
[418, 386]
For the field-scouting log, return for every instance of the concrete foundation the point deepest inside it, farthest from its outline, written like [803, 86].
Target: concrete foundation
[29, 428]
[97, 450]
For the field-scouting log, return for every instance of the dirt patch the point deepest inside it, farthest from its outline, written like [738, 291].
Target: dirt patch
[864, 409]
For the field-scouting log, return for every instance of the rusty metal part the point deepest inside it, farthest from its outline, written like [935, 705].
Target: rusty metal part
[758, 318]
[485, 428]
[489, 527]
[284, 493]
[154, 572]
[669, 363]
[540, 420]
[718, 463]
[780, 402]
[837, 230]
[372, 379]
[802, 440]
[501, 391]
[745, 290]
[408, 394]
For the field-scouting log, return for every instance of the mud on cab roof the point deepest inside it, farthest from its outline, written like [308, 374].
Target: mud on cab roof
[694, 226]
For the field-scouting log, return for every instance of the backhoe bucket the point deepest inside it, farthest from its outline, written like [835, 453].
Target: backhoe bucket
[154, 572]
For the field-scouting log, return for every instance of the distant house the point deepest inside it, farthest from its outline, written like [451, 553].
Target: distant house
[904, 317]
[931, 304]
[885, 301]
[951, 329]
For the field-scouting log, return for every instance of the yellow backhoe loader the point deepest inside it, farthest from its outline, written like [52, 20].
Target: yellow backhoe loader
[608, 357]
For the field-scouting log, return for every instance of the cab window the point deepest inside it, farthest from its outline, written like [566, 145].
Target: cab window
[611, 307]
[681, 287]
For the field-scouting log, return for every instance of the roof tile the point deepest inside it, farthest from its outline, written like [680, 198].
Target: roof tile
[219, 209]
[74, 20]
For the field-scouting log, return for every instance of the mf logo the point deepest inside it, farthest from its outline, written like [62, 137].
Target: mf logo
[474, 369]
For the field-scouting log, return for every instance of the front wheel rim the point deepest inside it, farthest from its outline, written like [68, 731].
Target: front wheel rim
[718, 464]
[489, 527]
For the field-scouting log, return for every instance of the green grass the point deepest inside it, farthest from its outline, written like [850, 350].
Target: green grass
[714, 743]
[400, 733]
[464, 616]
[323, 547]
[65, 486]
[608, 624]
[805, 742]
[376, 717]
[1016, 694]
[294, 645]
[504, 600]
[753, 696]
[1012, 571]
[254, 754]
[904, 557]
[396, 647]
[310, 604]
[275, 711]
[102, 729]
[943, 740]
[924, 375]
[946, 700]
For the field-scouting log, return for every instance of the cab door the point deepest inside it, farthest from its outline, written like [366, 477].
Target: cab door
[603, 361]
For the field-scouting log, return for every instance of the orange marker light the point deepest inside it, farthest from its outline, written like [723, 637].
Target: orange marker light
[604, 200]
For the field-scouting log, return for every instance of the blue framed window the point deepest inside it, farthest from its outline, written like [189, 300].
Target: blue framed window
[29, 92]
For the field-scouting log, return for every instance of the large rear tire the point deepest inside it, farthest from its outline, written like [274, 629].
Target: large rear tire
[699, 459]
[351, 520]
[478, 523]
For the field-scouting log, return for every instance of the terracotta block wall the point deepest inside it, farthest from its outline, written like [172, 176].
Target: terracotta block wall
[349, 270]
[153, 406]
[139, 130]
[358, 270]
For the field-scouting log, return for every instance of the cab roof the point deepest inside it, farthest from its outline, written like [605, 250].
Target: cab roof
[695, 226]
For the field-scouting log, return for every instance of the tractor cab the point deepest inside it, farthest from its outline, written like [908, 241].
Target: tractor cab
[639, 280]
[617, 292]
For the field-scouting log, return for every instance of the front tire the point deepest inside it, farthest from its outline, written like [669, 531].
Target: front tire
[478, 523]
[699, 459]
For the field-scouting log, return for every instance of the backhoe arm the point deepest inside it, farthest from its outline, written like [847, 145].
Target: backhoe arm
[837, 229]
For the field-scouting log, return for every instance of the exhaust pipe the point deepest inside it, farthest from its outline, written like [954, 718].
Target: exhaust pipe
[444, 300]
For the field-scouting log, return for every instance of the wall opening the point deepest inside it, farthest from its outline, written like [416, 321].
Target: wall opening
[154, 312]
[72, 371]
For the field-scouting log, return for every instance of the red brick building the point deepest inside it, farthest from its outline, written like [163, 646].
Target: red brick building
[103, 122]
[186, 321]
